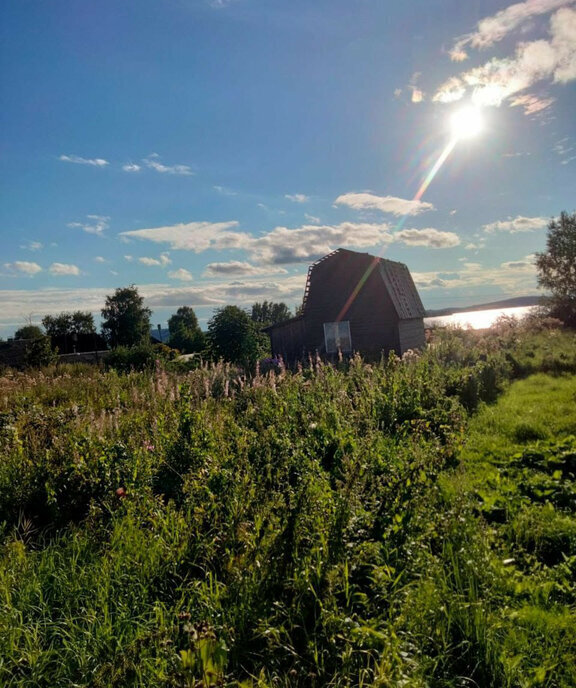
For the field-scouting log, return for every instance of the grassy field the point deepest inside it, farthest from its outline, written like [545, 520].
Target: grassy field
[406, 523]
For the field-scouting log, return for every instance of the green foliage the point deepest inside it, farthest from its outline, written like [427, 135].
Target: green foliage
[125, 359]
[557, 267]
[269, 313]
[78, 322]
[185, 333]
[39, 352]
[336, 526]
[233, 336]
[29, 332]
[125, 319]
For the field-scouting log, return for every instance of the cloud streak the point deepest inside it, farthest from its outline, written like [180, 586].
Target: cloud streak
[386, 204]
[97, 224]
[518, 224]
[77, 160]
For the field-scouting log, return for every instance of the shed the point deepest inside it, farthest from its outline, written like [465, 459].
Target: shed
[353, 302]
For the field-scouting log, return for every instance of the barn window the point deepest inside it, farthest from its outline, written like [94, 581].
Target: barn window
[337, 337]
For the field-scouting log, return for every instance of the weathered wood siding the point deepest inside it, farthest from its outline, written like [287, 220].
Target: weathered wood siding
[411, 334]
[287, 340]
[371, 313]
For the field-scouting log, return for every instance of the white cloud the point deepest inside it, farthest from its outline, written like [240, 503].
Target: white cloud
[23, 266]
[493, 29]
[96, 225]
[512, 277]
[297, 198]
[431, 238]
[182, 275]
[312, 218]
[278, 247]
[63, 269]
[534, 61]
[152, 162]
[283, 246]
[518, 224]
[386, 204]
[163, 260]
[131, 167]
[193, 236]
[238, 268]
[32, 246]
[95, 162]
[100, 259]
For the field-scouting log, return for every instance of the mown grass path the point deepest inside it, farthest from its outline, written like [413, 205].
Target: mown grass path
[510, 586]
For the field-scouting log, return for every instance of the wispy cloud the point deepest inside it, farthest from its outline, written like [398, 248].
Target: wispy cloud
[493, 29]
[533, 62]
[429, 238]
[96, 225]
[23, 267]
[95, 162]
[386, 204]
[181, 274]
[224, 191]
[312, 218]
[518, 224]
[162, 261]
[32, 246]
[297, 198]
[531, 104]
[60, 269]
[153, 163]
[193, 236]
[131, 167]
[239, 269]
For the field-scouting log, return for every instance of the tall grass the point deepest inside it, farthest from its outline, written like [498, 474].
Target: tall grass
[314, 528]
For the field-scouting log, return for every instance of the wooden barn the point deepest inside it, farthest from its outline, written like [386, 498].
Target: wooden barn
[353, 302]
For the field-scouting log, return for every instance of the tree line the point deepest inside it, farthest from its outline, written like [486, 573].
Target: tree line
[233, 333]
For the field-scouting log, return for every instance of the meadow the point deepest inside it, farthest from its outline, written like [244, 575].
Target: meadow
[409, 522]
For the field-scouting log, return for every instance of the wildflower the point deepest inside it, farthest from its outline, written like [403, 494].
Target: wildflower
[121, 492]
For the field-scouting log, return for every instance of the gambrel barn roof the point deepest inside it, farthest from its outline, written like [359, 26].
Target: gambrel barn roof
[395, 275]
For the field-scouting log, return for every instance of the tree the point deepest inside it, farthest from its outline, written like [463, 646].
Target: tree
[270, 313]
[233, 336]
[125, 319]
[557, 268]
[64, 324]
[185, 333]
[29, 332]
[40, 353]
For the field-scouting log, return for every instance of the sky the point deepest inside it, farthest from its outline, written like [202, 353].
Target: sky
[208, 151]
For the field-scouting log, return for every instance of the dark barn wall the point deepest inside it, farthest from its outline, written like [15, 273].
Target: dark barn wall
[372, 316]
[412, 335]
[287, 339]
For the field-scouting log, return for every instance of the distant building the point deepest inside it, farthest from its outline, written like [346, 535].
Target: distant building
[353, 302]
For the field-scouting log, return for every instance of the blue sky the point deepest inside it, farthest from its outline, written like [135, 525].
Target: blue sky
[209, 151]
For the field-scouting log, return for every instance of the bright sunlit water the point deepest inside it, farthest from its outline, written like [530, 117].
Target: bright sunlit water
[477, 320]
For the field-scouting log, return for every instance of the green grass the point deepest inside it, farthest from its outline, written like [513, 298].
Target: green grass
[402, 523]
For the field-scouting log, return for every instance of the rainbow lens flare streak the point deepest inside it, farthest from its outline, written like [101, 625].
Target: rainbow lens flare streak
[425, 184]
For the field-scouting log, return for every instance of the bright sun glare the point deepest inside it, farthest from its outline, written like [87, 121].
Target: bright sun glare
[466, 122]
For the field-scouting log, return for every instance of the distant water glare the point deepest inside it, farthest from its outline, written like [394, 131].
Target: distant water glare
[477, 320]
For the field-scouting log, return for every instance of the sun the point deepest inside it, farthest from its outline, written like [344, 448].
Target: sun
[466, 122]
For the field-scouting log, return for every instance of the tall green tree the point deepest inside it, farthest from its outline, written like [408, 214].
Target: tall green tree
[125, 319]
[29, 332]
[557, 268]
[233, 336]
[185, 333]
[79, 322]
[270, 313]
